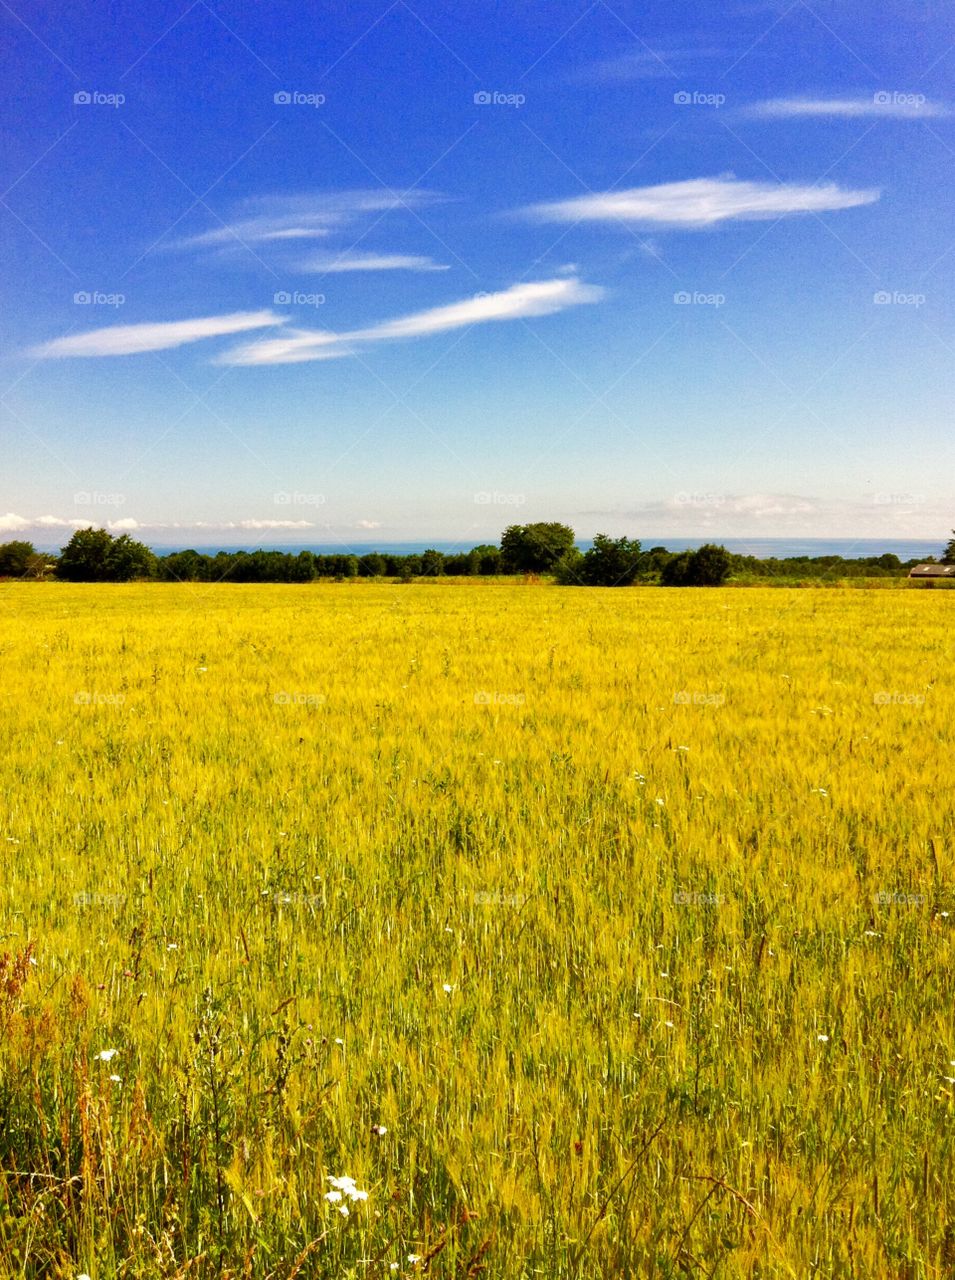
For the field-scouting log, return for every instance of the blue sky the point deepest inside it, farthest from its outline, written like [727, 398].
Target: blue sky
[347, 273]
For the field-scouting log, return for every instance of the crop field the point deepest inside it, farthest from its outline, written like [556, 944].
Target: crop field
[361, 930]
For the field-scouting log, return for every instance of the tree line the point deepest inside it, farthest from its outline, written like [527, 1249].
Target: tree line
[538, 549]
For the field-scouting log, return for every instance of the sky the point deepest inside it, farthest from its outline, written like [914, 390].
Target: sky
[353, 272]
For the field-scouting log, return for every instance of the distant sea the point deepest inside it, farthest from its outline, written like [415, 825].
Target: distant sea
[764, 548]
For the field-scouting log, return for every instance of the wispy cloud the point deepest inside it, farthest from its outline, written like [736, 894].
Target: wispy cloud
[702, 202]
[132, 339]
[354, 260]
[270, 219]
[892, 106]
[12, 523]
[539, 298]
[717, 515]
[642, 64]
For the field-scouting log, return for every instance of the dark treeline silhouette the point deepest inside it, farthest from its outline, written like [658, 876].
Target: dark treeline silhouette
[95, 555]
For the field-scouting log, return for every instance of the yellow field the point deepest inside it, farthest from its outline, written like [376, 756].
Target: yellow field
[593, 934]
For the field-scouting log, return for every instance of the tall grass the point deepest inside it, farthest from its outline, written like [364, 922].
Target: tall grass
[593, 934]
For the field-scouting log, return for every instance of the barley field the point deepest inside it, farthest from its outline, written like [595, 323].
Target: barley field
[360, 930]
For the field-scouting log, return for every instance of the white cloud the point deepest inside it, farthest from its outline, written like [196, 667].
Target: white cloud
[304, 217]
[352, 260]
[131, 339]
[641, 64]
[57, 522]
[538, 298]
[11, 523]
[717, 515]
[702, 202]
[368, 524]
[893, 106]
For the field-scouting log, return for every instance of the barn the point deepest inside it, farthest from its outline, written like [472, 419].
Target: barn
[932, 573]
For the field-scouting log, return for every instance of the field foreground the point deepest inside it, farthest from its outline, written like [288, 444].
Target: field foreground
[592, 934]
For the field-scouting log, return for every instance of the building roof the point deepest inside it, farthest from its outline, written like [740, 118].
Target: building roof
[933, 571]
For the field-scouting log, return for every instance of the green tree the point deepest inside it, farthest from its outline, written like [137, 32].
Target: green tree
[534, 548]
[15, 559]
[94, 555]
[710, 566]
[949, 556]
[372, 565]
[611, 562]
[40, 565]
[485, 560]
[675, 572]
[568, 569]
[432, 563]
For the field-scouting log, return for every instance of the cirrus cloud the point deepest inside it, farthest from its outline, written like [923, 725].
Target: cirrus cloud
[352, 260]
[133, 339]
[520, 301]
[892, 106]
[702, 202]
